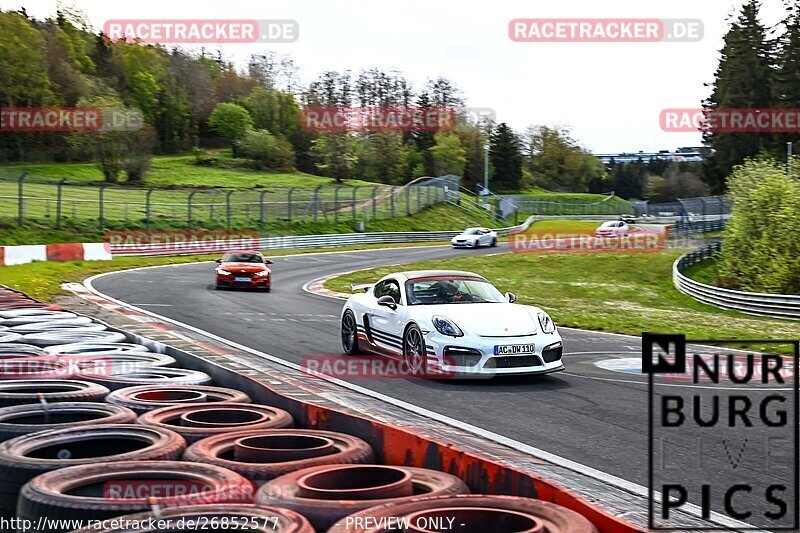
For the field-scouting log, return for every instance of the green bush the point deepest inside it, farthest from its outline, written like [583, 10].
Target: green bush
[267, 150]
[761, 250]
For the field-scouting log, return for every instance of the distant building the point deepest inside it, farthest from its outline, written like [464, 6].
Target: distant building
[685, 154]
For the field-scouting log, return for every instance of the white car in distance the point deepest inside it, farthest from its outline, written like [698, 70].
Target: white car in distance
[450, 323]
[475, 237]
[616, 228]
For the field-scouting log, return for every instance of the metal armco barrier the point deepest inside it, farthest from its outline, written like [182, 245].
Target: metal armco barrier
[754, 303]
[290, 242]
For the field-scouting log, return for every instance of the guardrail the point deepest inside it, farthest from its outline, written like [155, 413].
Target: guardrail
[753, 303]
[291, 242]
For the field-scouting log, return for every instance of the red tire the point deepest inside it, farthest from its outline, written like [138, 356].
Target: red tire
[264, 454]
[23, 458]
[326, 494]
[197, 421]
[252, 518]
[144, 398]
[106, 490]
[474, 513]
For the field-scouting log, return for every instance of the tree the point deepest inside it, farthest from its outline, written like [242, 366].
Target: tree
[506, 158]
[231, 121]
[23, 70]
[556, 160]
[743, 80]
[761, 251]
[335, 154]
[424, 140]
[384, 158]
[448, 155]
[786, 80]
[267, 150]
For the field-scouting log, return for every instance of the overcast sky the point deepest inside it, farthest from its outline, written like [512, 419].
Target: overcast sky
[609, 94]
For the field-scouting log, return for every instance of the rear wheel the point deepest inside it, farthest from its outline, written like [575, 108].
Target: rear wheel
[414, 351]
[349, 333]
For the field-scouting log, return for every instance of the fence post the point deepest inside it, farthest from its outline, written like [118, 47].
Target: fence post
[21, 201]
[100, 213]
[261, 208]
[408, 201]
[374, 203]
[336, 203]
[189, 209]
[316, 202]
[289, 204]
[419, 198]
[228, 209]
[147, 209]
[354, 202]
[58, 201]
[391, 200]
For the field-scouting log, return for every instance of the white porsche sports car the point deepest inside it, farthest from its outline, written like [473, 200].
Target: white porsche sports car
[450, 322]
[474, 237]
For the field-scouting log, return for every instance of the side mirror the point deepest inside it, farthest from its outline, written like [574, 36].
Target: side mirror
[218, 260]
[268, 262]
[511, 297]
[387, 301]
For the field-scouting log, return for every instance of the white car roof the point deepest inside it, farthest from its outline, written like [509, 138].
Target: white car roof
[414, 274]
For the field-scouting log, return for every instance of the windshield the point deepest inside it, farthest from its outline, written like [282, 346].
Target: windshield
[472, 232]
[609, 225]
[242, 258]
[451, 290]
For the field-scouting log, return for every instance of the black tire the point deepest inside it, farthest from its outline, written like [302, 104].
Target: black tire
[414, 354]
[17, 420]
[349, 333]
[144, 398]
[88, 491]
[21, 458]
[156, 375]
[494, 243]
[19, 391]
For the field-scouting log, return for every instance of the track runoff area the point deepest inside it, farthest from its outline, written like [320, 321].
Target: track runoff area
[706, 428]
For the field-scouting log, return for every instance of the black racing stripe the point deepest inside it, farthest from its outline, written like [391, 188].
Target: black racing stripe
[385, 334]
[388, 342]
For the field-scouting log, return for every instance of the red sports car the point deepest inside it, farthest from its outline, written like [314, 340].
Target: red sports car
[244, 269]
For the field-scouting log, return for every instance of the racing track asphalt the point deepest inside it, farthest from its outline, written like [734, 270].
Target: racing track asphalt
[596, 419]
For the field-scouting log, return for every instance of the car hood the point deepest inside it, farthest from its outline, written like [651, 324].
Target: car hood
[465, 236]
[490, 319]
[246, 267]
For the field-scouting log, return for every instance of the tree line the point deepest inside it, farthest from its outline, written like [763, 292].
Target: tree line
[196, 101]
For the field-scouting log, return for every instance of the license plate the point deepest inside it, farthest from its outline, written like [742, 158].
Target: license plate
[241, 279]
[514, 349]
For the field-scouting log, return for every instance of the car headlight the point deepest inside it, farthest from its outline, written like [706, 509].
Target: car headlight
[262, 273]
[223, 272]
[548, 326]
[445, 326]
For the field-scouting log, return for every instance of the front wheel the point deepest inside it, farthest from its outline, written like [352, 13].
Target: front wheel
[349, 333]
[414, 355]
[494, 243]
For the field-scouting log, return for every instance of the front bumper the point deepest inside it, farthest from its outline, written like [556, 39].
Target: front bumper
[463, 244]
[473, 356]
[253, 282]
